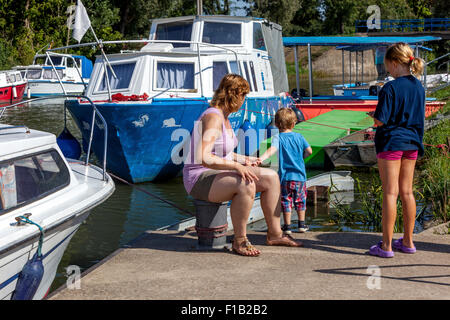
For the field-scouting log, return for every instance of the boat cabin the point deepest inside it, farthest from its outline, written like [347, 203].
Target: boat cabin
[188, 56]
[31, 167]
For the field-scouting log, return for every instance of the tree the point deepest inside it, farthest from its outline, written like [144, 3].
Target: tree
[279, 11]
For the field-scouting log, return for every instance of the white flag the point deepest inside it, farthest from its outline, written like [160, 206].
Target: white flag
[81, 23]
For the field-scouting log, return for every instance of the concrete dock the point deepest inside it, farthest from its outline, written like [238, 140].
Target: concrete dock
[164, 265]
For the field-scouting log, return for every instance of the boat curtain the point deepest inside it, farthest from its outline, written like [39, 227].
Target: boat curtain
[175, 75]
[123, 71]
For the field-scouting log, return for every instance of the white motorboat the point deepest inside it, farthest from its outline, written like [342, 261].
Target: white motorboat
[39, 185]
[56, 74]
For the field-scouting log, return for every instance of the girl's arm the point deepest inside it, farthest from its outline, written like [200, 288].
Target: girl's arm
[377, 122]
[212, 129]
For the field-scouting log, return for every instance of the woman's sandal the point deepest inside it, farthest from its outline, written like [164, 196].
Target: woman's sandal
[285, 240]
[245, 248]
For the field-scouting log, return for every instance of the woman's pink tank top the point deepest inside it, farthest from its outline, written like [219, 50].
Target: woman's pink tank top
[223, 147]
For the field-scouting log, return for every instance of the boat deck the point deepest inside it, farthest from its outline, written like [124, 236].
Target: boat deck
[164, 265]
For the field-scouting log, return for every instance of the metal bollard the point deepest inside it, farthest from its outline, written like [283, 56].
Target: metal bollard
[211, 225]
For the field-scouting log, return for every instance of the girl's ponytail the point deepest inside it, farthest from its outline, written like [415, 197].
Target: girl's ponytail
[417, 66]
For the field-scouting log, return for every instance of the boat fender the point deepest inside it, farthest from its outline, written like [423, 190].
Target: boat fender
[245, 127]
[299, 114]
[31, 275]
[14, 92]
[29, 279]
[271, 129]
[69, 145]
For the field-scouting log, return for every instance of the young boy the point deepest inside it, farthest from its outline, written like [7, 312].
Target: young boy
[293, 148]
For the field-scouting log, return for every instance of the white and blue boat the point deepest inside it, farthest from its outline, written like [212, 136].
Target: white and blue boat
[56, 74]
[155, 94]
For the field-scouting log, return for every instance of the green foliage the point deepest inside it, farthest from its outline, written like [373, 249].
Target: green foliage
[435, 170]
[29, 25]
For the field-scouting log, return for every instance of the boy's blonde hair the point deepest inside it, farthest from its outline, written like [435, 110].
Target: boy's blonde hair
[285, 118]
[231, 87]
[403, 54]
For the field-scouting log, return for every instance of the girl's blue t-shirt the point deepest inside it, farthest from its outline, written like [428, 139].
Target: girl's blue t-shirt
[291, 146]
[401, 108]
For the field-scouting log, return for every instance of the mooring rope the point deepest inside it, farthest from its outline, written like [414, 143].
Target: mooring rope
[151, 194]
[41, 230]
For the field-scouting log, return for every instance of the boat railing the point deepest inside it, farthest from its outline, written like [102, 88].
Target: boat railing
[48, 54]
[199, 52]
[91, 136]
[426, 72]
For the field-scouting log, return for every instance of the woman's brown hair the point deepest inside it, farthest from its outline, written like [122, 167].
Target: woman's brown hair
[285, 118]
[227, 96]
[403, 54]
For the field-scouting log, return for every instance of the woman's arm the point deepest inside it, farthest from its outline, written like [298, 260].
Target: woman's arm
[212, 129]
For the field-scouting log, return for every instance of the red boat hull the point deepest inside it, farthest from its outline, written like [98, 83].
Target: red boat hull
[311, 110]
[6, 93]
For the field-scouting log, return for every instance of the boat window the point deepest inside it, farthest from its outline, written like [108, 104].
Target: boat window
[220, 69]
[8, 78]
[253, 76]
[172, 75]
[18, 77]
[27, 179]
[51, 74]
[57, 61]
[34, 74]
[258, 38]
[123, 71]
[70, 63]
[179, 30]
[23, 73]
[221, 33]
[247, 75]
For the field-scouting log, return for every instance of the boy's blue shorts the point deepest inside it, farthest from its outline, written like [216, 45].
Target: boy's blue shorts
[293, 194]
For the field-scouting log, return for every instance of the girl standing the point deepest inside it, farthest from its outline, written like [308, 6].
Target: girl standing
[399, 117]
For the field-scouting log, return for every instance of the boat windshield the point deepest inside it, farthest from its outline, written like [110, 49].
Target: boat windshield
[221, 33]
[57, 61]
[179, 30]
[27, 179]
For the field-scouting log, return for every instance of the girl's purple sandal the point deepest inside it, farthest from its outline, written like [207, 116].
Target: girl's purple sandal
[398, 245]
[377, 251]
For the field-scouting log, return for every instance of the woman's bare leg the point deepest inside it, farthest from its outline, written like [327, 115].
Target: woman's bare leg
[408, 200]
[389, 174]
[230, 186]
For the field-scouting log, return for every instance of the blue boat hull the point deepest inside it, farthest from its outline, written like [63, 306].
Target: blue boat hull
[146, 140]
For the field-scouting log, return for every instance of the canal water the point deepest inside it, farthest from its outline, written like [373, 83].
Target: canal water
[129, 211]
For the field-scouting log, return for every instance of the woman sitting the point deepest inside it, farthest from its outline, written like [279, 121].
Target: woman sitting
[214, 173]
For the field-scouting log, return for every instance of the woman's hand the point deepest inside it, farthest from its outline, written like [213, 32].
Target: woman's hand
[246, 173]
[252, 161]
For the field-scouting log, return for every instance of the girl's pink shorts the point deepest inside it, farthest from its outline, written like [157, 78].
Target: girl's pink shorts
[397, 155]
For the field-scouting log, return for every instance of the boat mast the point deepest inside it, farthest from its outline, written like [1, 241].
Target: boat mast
[199, 7]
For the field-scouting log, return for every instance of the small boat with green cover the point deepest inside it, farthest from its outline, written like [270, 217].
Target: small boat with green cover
[325, 129]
